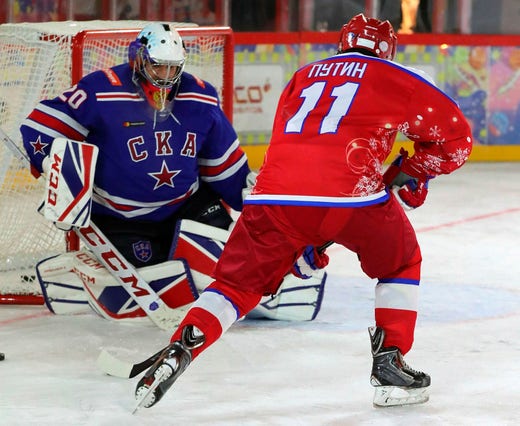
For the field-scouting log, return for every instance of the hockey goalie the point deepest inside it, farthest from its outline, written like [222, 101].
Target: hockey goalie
[76, 281]
[141, 162]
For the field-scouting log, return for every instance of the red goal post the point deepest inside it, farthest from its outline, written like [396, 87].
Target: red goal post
[40, 60]
[198, 41]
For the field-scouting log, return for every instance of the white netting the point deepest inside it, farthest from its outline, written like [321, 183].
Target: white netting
[37, 62]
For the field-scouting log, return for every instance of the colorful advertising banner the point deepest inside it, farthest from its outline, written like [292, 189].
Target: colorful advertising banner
[483, 79]
[257, 89]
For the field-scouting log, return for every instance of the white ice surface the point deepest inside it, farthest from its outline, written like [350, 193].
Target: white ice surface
[312, 373]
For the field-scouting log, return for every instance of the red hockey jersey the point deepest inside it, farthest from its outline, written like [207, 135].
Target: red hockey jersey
[335, 125]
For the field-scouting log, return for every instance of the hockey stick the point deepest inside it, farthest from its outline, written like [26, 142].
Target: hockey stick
[125, 274]
[15, 150]
[116, 367]
[325, 246]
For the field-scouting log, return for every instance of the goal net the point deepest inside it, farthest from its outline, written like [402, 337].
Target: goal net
[39, 61]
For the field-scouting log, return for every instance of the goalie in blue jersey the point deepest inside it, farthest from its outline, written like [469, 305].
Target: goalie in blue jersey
[169, 167]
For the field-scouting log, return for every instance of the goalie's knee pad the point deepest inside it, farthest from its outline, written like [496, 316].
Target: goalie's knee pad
[296, 300]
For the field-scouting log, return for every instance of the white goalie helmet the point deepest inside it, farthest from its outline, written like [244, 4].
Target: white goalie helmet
[158, 45]
[157, 57]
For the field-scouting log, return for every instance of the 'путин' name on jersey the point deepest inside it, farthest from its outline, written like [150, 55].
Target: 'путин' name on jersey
[347, 69]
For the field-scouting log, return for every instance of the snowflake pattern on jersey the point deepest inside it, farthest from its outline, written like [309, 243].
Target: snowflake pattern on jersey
[366, 186]
[435, 133]
[362, 159]
[404, 128]
[460, 156]
[431, 164]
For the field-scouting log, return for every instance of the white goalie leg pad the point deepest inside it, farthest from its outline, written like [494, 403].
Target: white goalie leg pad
[203, 230]
[296, 299]
[62, 289]
[77, 282]
[96, 280]
[68, 183]
[63, 280]
[389, 396]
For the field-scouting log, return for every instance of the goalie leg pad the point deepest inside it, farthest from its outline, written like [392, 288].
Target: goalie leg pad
[62, 289]
[296, 300]
[72, 281]
[200, 246]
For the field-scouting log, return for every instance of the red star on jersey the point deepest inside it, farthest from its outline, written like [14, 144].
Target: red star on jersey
[164, 177]
[38, 146]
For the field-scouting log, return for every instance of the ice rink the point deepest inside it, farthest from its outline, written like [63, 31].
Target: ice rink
[312, 373]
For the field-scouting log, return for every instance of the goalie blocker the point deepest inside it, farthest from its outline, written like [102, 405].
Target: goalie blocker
[69, 176]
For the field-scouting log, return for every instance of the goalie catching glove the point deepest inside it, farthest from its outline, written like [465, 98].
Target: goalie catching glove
[409, 185]
[309, 261]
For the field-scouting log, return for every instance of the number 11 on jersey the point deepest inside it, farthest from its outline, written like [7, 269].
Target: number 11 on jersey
[343, 96]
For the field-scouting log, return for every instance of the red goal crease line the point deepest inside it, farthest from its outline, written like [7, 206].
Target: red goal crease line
[24, 317]
[469, 219]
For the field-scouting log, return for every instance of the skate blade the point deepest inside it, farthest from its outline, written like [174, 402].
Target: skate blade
[145, 400]
[389, 396]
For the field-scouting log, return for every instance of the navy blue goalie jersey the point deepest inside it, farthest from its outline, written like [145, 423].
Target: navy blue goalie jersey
[146, 168]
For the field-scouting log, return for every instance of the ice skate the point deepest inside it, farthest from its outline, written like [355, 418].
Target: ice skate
[172, 362]
[395, 382]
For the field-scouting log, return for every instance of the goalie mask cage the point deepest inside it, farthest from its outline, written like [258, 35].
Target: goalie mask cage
[39, 61]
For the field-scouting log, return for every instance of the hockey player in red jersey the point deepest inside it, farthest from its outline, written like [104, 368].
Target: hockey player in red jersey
[322, 180]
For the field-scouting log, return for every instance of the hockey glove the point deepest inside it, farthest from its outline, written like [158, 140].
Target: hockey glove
[309, 261]
[408, 185]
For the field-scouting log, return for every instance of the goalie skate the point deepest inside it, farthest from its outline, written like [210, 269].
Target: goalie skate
[172, 362]
[395, 382]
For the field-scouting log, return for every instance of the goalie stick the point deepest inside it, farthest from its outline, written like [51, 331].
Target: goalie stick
[125, 274]
[116, 367]
[15, 150]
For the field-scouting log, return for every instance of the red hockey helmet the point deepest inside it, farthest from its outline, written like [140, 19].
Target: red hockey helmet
[368, 34]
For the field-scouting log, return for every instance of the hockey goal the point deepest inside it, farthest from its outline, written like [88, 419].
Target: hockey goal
[39, 61]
